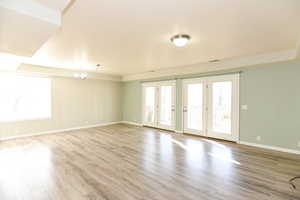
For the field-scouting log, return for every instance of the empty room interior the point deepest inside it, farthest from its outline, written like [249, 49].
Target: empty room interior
[149, 100]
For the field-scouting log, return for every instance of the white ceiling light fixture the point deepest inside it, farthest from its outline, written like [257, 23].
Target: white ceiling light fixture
[180, 40]
[80, 75]
[83, 76]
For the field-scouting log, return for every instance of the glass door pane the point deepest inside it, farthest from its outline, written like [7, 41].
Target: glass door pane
[159, 104]
[221, 107]
[211, 106]
[149, 105]
[195, 106]
[165, 116]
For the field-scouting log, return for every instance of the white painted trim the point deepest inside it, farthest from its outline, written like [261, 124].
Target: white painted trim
[185, 83]
[157, 85]
[45, 71]
[58, 131]
[179, 132]
[207, 82]
[225, 64]
[270, 147]
[131, 123]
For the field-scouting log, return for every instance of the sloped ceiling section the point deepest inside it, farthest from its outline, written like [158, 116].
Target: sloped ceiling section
[25, 25]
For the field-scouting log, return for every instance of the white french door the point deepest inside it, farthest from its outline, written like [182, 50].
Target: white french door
[150, 105]
[159, 104]
[194, 112]
[211, 106]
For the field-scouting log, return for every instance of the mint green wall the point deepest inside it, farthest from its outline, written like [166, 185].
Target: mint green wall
[272, 94]
[271, 91]
[132, 101]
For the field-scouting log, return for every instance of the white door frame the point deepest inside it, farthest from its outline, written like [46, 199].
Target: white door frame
[184, 102]
[234, 136]
[144, 85]
[173, 109]
[207, 107]
[157, 85]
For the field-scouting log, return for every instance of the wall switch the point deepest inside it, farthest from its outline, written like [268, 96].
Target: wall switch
[298, 144]
[86, 122]
[244, 107]
[258, 138]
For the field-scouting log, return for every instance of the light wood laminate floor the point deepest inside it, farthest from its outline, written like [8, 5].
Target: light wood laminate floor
[122, 162]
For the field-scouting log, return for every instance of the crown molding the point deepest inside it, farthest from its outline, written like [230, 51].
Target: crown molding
[225, 64]
[35, 70]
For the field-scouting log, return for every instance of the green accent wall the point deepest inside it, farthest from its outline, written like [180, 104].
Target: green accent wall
[132, 101]
[271, 91]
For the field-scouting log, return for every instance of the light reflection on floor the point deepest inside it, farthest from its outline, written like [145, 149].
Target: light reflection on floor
[31, 164]
[199, 153]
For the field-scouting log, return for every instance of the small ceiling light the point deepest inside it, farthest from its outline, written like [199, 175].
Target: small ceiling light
[180, 40]
[80, 75]
[83, 76]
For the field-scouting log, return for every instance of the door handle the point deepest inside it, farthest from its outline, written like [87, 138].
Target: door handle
[173, 108]
[184, 109]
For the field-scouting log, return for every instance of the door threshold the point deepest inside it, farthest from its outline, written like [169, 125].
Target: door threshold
[210, 138]
[159, 128]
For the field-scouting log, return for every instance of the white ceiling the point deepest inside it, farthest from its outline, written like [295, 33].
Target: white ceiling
[131, 37]
[54, 4]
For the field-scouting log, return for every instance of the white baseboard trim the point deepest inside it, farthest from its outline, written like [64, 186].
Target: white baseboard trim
[58, 131]
[131, 123]
[270, 147]
[180, 132]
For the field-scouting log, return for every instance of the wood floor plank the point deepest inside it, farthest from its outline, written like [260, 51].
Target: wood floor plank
[123, 162]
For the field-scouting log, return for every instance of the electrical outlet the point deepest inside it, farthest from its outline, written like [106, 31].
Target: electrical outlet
[299, 144]
[258, 138]
[86, 122]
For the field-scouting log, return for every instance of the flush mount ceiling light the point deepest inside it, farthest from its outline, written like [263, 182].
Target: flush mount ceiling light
[80, 75]
[180, 40]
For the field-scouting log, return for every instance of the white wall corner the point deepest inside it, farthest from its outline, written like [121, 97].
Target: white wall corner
[131, 123]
